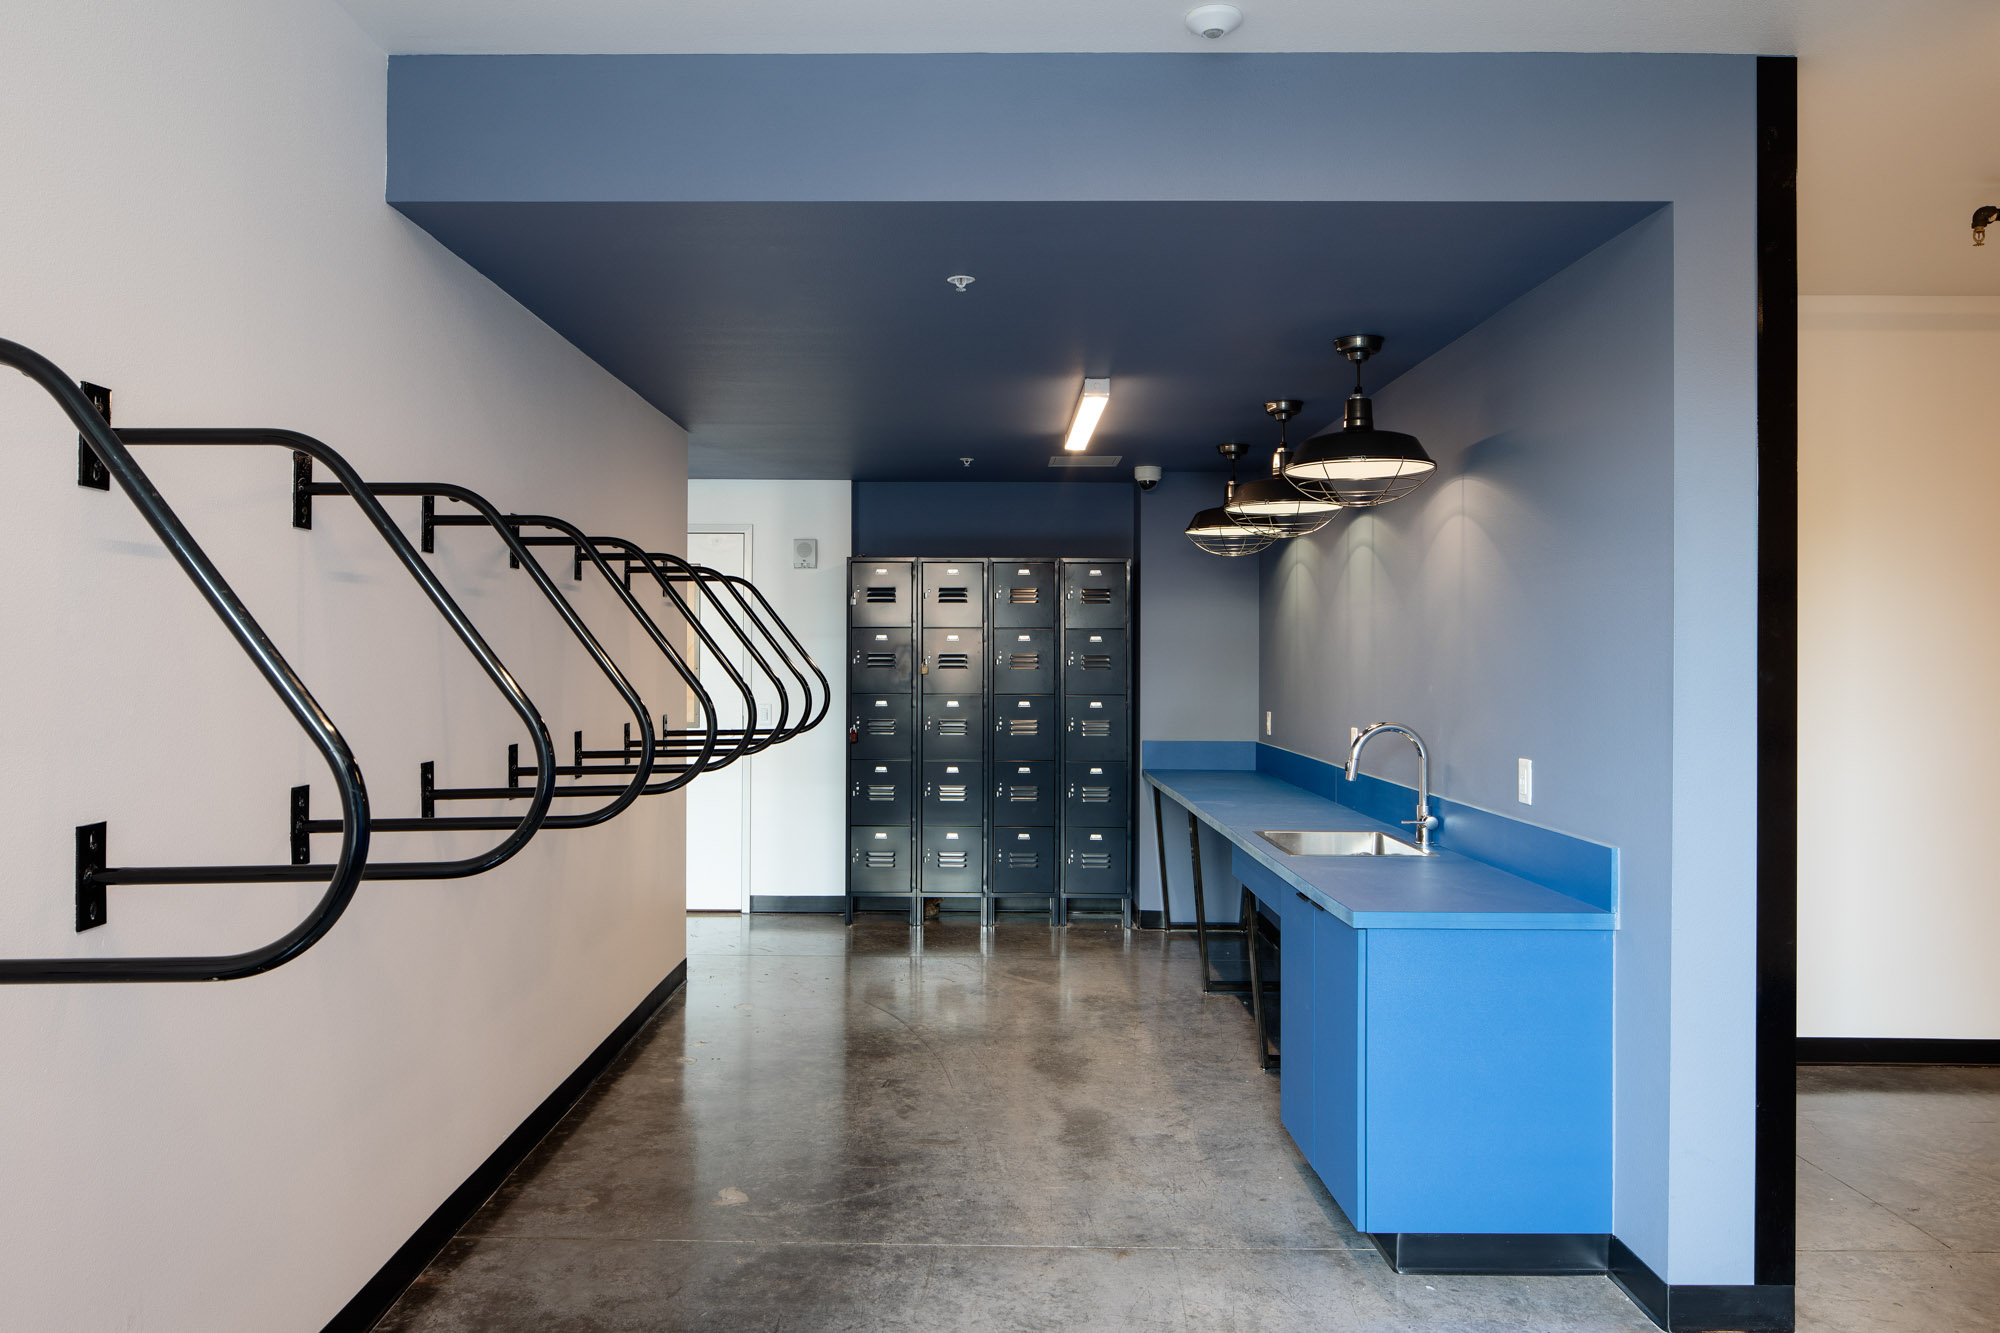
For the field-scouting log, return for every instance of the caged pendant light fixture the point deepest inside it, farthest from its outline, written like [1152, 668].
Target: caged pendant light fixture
[1353, 464]
[1214, 530]
[1272, 504]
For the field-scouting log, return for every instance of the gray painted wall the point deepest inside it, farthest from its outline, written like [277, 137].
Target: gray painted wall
[1521, 604]
[1673, 129]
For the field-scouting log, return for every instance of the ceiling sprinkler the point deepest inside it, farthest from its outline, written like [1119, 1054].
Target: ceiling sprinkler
[961, 280]
[965, 462]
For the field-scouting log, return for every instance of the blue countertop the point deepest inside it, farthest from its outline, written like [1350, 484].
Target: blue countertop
[1445, 891]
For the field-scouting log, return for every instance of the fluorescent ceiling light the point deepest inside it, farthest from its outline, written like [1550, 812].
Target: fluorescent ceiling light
[1089, 407]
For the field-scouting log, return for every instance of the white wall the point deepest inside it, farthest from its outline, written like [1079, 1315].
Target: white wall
[193, 215]
[1899, 651]
[798, 820]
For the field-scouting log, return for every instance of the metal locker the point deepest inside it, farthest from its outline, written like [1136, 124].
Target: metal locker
[881, 726]
[1024, 661]
[881, 592]
[954, 791]
[1095, 728]
[878, 659]
[953, 660]
[953, 860]
[1024, 861]
[954, 726]
[954, 592]
[1094, 594]
[1024, 594]
[878, 791]
[879, 860]
[1025, 794]
[1094, 661]
[1024, 726]
[1097, 795]
[1094, 862]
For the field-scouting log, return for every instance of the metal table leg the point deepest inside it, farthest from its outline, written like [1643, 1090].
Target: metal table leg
[1252, 930]
[1208, 986]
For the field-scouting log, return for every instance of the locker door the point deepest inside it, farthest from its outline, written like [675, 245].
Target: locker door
[1024, 862]
[1097, 795]
[954, 791]
[954, 860]
[878, 659]
[1094, 594]
[954, 726]
[1024, 795]
[880, 592]
[1024, 661]
[1095, 728]
[878, 860]
[1094, 862]
[1024, 594]
[954, 592]
[881, 726]
[1094, 661]
[878, 792]
[953, 661]
[1024, 726]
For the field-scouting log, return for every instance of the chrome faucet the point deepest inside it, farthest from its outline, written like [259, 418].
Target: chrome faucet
[1425, 820]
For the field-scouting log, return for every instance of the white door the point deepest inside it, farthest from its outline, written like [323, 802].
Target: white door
[718, 809]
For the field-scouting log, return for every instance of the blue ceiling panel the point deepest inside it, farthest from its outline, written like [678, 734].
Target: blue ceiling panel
[822, 340]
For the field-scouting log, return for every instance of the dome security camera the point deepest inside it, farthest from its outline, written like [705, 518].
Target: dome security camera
[1213, 21]
[1147, 475]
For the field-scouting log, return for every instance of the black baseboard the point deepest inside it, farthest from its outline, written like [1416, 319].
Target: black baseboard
[1897, 1051]
[394, 1278]
[813, 904]
[1552, 1255]
[1692, 1308]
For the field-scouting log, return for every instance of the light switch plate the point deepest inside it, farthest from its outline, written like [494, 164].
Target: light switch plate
[1527, 782]
[1267, 721]
[805, 553]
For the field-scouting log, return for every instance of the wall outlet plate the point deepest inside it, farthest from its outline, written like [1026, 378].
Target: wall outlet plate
[805, 553]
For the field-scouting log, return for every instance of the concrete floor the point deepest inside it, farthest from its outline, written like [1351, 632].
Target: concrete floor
[1052, 1130]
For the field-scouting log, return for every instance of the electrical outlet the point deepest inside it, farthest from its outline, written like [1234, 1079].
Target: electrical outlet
[1267, 721]
[1527, 782]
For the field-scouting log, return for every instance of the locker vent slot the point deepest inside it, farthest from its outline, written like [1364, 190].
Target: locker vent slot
[881, 726]
[953, 726]
[1096, 728]
[954, 661]
[951, 791]
[879, 860]
[880, 595]
[1097, 661]
[1023, 860]
[1028, 793]
[1024, 661]
[954, 596]
[1024, 726]
[1097, 596]
[879, 661]
[1095, 796]
[957, 860]
[1024, 596]
[881, 791]
[1094, 860]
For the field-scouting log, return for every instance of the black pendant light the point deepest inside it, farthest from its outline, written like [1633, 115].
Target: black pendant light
[1214, 531]
[1272, 504]
[1353, 464]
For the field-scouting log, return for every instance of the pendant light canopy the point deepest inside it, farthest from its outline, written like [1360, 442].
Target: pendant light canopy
[1353, 464]
[1272, 504]
[1214, 530]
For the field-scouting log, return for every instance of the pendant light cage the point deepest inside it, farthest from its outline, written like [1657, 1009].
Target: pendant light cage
[1272, 505]
[1354, 465]
[1215, 530]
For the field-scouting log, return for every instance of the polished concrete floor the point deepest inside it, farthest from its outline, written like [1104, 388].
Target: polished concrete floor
[1026, 1129]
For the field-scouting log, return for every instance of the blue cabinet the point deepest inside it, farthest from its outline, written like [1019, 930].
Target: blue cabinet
[1448, 1081]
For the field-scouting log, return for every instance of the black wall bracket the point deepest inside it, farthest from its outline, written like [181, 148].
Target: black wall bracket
[301, 832]
[427, 789]
[91, 908]
[90, 469]
[302, 501]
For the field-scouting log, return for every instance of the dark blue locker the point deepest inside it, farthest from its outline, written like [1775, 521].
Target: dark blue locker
[881, 726]
[1024, 795]
[878, 792]
[1024, 593]
[1024, 661]
[878, 660]
[1024, 726]
[1024, 862]
[881, 592]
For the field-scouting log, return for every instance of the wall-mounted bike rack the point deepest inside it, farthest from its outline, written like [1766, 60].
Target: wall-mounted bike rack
[682, 755]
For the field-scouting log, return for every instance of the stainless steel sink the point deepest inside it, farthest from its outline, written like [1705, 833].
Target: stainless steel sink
[1338, 842]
